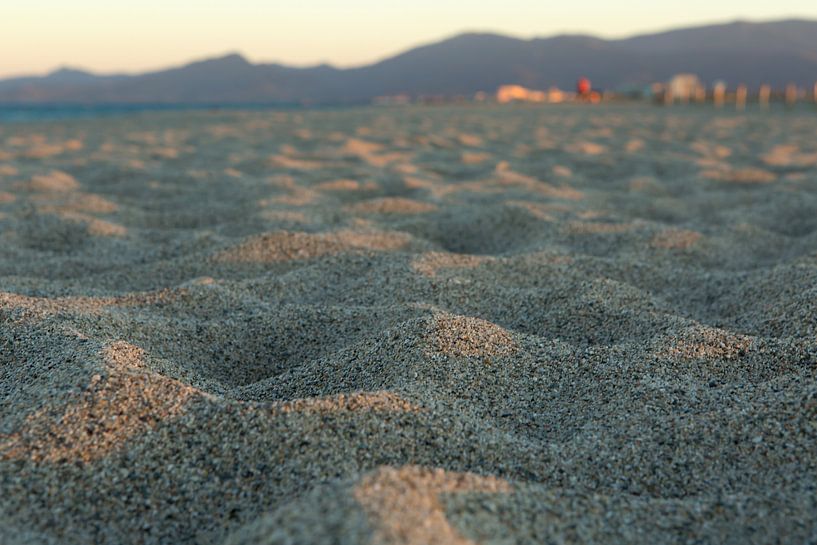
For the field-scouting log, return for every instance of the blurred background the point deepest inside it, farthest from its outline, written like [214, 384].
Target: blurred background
[181, 52]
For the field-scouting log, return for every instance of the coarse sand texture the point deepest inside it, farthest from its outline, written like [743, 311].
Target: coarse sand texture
[410, 326]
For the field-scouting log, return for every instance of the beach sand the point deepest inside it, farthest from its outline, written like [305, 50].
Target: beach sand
[410, 326]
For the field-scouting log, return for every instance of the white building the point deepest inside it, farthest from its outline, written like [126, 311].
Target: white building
[684, 87]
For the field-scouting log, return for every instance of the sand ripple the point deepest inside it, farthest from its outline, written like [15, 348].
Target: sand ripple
[416, 325]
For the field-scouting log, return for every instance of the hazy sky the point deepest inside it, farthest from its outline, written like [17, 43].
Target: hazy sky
[130, 35]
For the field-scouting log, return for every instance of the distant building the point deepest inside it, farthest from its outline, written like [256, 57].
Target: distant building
[556, 95]
[392, 100]
[683, 88]
[719, 93]
[517, 93]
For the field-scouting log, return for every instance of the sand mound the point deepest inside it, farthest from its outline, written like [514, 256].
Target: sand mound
[471, 337]
[287, 246]
[676, 239]
[404, 505]
[741, 176]
[109, 412]
[789, 156]
[385, 402]
[389, 505]
[414, 325]
[431, 263]
[474, 158]
[90, 203]
[55, 180]
[392, 205]
[340, 185]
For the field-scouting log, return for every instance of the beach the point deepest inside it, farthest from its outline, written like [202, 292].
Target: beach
[410, 325]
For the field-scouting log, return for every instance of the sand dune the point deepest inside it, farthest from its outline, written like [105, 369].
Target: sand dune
[409, 326]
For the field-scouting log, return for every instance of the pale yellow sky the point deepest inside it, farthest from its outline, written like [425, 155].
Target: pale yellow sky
[128, 36]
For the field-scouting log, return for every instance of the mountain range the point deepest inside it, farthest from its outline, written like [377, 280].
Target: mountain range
[777, 52]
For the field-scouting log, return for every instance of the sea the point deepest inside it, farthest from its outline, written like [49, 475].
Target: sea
[11, 113]
[16, 113]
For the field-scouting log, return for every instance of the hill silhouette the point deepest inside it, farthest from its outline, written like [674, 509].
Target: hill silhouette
[777, 53]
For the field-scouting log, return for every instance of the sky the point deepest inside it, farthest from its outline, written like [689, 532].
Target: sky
[108, 36]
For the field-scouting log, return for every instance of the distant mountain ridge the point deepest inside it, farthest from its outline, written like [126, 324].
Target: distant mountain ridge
[778, 53]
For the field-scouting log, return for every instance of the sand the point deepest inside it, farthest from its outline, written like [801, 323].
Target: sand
[410, 326]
